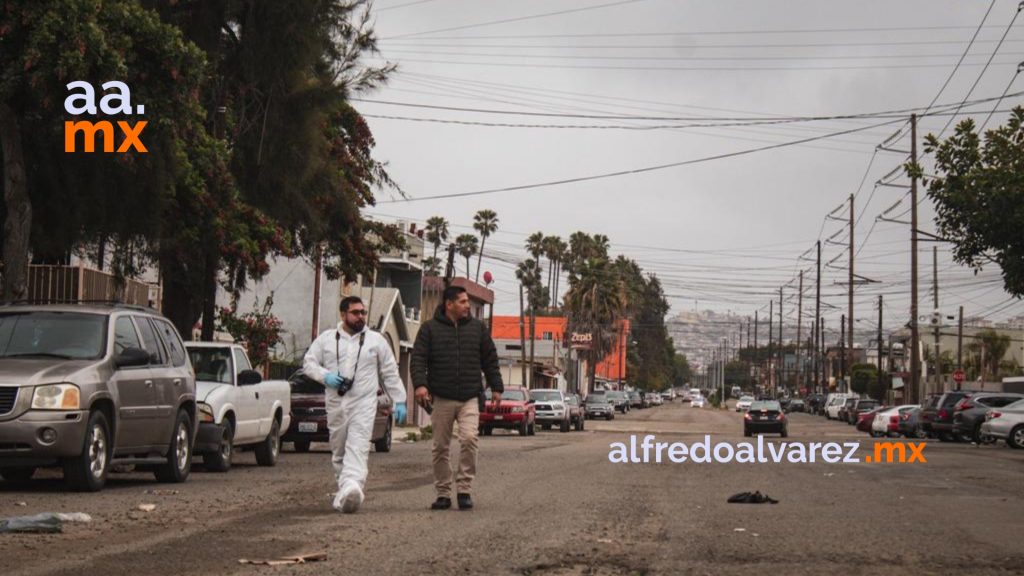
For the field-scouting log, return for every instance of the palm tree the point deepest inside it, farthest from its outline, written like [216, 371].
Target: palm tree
[466, 246]
[486, 223]
[432, 266]
[550, 245]
[596, 301]
[535, 245]
[561, 250]
[437, 232]
[528, 274]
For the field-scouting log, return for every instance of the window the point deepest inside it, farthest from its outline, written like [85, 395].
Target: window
[124, 335]
[67, 335]
[150, 342]
[241, 361]
[171, 341]
[548, 336]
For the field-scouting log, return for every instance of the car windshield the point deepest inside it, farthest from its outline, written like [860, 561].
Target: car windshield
[746, 399]
[770, 405]
[302, 384]
[597, 399]
[211, 364]
[572, 400]
[510, 395]
[616, 395]
[61, 335]
[545, 395]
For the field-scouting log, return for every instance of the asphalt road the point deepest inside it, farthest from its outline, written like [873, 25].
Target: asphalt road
[553, 504]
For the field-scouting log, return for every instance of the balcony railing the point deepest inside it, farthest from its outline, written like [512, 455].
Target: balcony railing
[65, 284]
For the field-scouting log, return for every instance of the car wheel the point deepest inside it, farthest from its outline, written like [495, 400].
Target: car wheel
[564, 427]
[268, 450]
[524, 428]
[983, 438]
[178, 463]
[1016, 437]
[487, 430]
[531, 428]
[87, 472]
[784, 433]
[302, 446]
[220, 461]
[945, 437]
[919, 433]
[965, 438]
[746, 433]
[610, 417]
[582, 426]
[384, 444]
[17, 474]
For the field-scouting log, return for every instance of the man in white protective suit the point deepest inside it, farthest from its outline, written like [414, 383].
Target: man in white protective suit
[351, 361]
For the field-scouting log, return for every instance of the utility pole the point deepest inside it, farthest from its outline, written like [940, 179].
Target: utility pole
[881, 380]
[849, 319]
[842, 354]
[799, 327]
[771, 349]
[821, 354]
[782, 350]
[915, 350]
[937, 318]
[818, 334]
[960, 344]
[522, 339]
[814, 356]
[319, 266]
[757, 353]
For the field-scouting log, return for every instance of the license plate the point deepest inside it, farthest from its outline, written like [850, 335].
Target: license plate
[499, 417]
[307, 426]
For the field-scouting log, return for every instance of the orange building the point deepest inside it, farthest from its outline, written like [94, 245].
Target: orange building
[554, 328]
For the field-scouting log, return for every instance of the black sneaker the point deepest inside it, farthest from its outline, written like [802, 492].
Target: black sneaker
[443, 504]
[465, 502]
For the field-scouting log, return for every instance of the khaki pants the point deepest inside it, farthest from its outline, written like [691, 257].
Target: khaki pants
[446, 413]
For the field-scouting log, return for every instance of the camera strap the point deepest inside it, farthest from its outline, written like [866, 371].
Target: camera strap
[359, 352]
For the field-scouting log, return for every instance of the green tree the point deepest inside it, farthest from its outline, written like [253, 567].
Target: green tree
[979, 196]
[595, 302]
[466, 246]
[486, 223]
[432, 266]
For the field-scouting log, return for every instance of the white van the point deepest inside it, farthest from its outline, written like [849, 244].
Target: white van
[833, 402]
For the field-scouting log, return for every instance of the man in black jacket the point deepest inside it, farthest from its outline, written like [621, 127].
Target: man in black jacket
[451, 351]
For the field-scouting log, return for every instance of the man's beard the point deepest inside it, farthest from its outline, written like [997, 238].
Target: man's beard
[356, 326]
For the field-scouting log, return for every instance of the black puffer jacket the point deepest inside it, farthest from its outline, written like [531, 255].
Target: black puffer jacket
[449, 359]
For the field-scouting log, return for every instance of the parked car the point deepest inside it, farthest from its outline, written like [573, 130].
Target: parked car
[697, 402]
[668, 395]
[551, 409]
[796, 405]
[637, 400]
[834, 403]
[743, 404]
[866, 418]
[765, 416]
[89, 386]
[970, 413]
[309, 416]
[910, 424]
[598, 406]
[516, 411]
[1006, 423]
[863, 405]
[736, 392]
[815, 403]
[844, 409]
[618, 399]
[576, 411]
[929, 408]
[886, 421]
[942, 421]
[653, 399]
[237, 409]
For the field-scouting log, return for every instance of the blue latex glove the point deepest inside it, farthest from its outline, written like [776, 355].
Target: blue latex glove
[332, 380]
[400, 413]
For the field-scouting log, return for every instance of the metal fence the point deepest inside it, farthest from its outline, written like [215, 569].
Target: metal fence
[66, 284]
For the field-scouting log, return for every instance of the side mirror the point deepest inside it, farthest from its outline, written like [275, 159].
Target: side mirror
[131, 357]
[531, 401]
[249, 377]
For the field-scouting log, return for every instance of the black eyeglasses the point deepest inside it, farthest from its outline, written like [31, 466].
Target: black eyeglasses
[358, 312]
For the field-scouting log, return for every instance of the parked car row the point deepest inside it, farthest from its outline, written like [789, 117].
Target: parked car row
[85, 387]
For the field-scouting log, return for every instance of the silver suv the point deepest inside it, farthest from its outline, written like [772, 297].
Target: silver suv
[88, 386]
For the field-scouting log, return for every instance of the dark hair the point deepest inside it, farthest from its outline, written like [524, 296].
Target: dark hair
[452, 293]
[348, 301]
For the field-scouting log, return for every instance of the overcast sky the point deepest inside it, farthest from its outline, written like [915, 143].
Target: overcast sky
[722, 234]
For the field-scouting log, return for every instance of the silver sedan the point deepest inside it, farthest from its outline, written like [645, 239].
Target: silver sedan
[1006, 423]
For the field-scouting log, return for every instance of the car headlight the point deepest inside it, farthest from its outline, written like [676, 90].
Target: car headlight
[205, 412]
[57, 397]
[518, 409]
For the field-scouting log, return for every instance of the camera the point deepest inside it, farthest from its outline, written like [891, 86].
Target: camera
[345, 386]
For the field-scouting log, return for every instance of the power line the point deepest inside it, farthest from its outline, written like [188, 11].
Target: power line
[637, 170]
[964, 55]
[518, 19]
[418, 44]
[407, 4]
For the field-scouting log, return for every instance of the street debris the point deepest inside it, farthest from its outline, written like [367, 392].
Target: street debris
[739, 529]
[751, 498]
[304, 559]
[147, 507]
[162, 492]
[45, 523]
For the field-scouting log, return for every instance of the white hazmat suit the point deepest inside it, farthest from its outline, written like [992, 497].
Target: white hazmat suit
[350, 417]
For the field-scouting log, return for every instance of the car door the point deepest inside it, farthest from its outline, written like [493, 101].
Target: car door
[172, 377]
[134, 389]
[251, 426]
[161, 413]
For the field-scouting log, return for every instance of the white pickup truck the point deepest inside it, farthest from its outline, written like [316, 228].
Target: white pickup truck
[237, 409]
